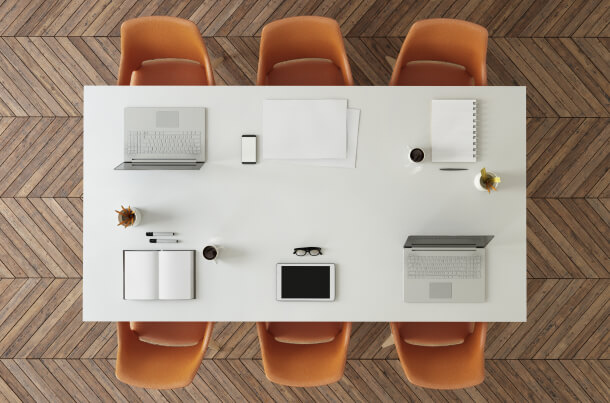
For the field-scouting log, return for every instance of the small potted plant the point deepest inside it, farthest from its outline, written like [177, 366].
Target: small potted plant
[129, 217]
[486, 181]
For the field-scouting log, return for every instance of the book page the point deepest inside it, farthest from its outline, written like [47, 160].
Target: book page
[141, 274]
[177, 274]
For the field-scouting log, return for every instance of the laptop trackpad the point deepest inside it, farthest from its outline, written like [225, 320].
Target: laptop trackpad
[169, 119]
[440, 290]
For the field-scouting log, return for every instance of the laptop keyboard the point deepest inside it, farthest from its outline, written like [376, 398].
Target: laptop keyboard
[443, 267]
[164, 142]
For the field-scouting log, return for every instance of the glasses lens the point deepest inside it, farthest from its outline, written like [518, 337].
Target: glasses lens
[300, 252]
[314, 252]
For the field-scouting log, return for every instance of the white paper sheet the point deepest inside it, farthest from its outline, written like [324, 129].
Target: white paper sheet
[452, 134]
[304, 129]
[141, 274]
[176, 274]
[353, 125]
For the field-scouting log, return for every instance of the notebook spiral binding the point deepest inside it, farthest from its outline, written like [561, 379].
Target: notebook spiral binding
[474, 129]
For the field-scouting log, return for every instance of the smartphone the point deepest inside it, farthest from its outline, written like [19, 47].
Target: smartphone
[248, 149]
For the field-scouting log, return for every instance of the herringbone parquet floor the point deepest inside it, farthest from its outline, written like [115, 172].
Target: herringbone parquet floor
[558, 49]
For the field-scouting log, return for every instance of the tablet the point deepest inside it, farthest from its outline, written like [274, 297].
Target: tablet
[306, 282]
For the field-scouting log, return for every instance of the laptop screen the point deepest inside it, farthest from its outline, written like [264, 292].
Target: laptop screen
[479, 241]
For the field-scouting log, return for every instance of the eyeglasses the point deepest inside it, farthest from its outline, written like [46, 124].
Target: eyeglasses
[312, 250]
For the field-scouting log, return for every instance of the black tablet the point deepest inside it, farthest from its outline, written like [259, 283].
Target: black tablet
[306, 282]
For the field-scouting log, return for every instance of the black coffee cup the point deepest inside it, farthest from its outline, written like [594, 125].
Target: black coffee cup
[210, 252]
[416, 155]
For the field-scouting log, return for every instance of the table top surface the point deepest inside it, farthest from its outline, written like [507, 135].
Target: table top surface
[258, 213]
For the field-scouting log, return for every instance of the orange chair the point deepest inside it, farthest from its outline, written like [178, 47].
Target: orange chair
[155, 366]
[442, 51]
[441, 355]
[163, 51]
[304, 354]
[303, 51]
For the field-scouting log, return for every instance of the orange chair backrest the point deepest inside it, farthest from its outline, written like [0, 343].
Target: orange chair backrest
[436, 367]
[446, 40]
[158, 367]
[304, 37]
[304, 365]
[158, 37]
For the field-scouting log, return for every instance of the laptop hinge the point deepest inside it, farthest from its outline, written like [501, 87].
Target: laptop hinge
[164, 162]
[443, 247]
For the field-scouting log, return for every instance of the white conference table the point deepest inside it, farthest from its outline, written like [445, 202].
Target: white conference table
[258, 213]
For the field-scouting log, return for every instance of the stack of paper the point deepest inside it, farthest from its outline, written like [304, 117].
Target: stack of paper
[312, 132]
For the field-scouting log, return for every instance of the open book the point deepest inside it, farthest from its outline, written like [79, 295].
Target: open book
[153, 274]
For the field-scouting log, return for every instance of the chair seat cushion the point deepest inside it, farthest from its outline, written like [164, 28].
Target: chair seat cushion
[435, 333]
[304, 332]
[176, 334]
[434, 73]
[169, 72]
[305, 72]
[444, 367]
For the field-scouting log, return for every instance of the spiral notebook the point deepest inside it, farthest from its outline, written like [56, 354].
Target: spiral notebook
[453, 130]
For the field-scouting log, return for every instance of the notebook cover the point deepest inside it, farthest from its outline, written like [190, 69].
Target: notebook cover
[453, 130]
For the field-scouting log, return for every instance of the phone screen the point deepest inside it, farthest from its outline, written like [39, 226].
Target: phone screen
[248, 149]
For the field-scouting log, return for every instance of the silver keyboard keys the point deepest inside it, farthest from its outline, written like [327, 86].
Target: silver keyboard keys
[444, 267]
[162, 142]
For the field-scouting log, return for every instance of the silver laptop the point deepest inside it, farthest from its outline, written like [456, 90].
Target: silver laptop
[445, 268]
[164, 138]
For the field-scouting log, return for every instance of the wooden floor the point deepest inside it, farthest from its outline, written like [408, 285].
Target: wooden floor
[558, 49]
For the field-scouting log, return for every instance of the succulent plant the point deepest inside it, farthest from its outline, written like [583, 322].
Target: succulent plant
[489, 181]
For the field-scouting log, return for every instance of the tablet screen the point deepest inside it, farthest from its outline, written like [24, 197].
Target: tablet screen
[306, 282]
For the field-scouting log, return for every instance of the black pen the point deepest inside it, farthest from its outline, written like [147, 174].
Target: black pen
[159, 234]
[454, 169]
[163, 240]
